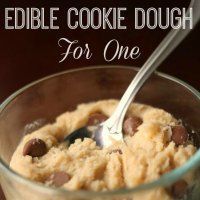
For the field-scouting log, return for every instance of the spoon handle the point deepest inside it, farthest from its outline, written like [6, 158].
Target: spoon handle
[169, 43]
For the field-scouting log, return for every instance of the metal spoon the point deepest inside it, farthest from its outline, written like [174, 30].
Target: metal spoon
[111, 129]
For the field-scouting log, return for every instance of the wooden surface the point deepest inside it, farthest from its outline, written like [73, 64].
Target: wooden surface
[26, 55]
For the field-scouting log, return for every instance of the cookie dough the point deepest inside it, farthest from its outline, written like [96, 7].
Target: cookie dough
[155, 143]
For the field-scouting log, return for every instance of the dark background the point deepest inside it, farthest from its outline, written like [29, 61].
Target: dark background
[27, 55]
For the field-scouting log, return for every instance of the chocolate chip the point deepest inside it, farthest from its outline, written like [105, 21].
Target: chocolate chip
[179, 135]
[116, 151]
[179, 189]
[58, 178]
[96, 118]
[131, 124]
[35, 148]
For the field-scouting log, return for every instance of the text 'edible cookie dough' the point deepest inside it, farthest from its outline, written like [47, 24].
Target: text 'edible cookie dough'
[155, 143]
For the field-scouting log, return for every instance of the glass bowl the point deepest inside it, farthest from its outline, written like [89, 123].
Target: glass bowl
[45, 99]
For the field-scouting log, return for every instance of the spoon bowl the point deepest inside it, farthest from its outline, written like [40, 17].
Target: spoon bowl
[99, 133]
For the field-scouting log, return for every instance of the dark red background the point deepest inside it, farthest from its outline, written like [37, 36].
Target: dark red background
[26, 55]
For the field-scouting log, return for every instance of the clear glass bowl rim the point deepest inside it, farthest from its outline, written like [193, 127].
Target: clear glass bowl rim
[163, 181]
